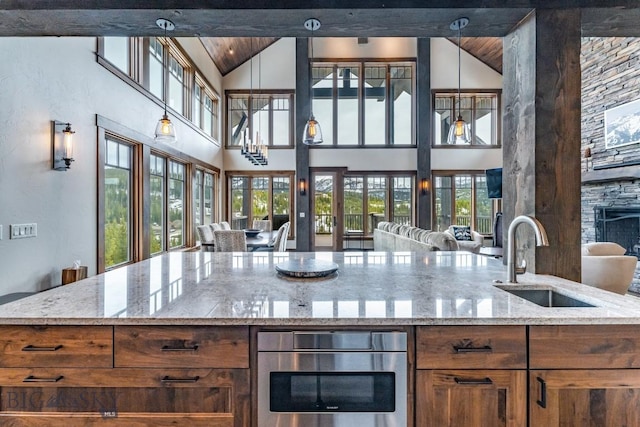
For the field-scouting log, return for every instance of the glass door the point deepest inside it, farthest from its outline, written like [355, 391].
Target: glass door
[327, 219]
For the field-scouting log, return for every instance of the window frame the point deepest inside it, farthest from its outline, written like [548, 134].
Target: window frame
[138, 78]
[496, 204]
[230, 175]
[249, 95]
[389, 195]
[362, 64]
[468, 93]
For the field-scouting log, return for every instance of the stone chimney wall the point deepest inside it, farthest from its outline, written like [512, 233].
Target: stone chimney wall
[610, 78]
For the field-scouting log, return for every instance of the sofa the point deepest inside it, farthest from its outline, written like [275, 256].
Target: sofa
[393, 237]
[605, 266]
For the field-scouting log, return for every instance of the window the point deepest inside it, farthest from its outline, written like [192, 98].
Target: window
[176, 204]
[270, 117]
[369, 199]
[158, 66]
[479, 110]
[203, 198]
[118, 230]
[260, 196]
[157, 201]
[462, 199]
[116, 51]
[365, 103]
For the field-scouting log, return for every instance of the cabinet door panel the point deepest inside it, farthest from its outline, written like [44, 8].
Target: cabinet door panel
[577, 398]
[63, 346]
[474, 398]
[178, 346]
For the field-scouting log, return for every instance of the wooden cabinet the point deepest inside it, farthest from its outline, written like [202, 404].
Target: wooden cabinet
[471, 376]
[196, 376]
[577, 398]
[474, 398]
[580, 375]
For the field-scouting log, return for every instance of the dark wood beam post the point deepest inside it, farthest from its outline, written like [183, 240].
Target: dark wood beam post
[541, 152]
[303, 203]
[423, 130]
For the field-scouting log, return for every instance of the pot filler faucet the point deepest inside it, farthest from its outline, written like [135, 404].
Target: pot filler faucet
[541, 240]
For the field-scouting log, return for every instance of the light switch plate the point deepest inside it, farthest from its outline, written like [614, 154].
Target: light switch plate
[22, 231]
[0, 232]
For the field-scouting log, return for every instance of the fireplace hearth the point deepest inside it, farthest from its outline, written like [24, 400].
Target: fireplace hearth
[619, 224]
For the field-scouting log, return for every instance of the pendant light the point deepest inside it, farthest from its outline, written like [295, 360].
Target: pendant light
[253, 149]
[312, 134]
[165, 132]
[459, 132]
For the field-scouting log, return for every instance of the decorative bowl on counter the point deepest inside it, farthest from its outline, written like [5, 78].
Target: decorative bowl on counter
[252, 232]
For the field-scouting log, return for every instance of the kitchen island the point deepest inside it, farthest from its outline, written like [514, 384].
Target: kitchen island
[173, 338]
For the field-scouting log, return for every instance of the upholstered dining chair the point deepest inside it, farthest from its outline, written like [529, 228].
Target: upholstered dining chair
[280, 241]
[262, 224]
[230, 241]
[205, 234]
[224, 225]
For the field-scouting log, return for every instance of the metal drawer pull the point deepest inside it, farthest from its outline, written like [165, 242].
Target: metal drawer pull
[542, 402]
[34, 348]
[32, 379]
[167, 379]
[183, 348]
[473, 381]
[483, 349]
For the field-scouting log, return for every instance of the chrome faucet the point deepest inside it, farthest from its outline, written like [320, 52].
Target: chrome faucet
[541, 240]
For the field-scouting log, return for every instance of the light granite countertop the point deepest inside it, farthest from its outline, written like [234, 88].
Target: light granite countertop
[369, 288]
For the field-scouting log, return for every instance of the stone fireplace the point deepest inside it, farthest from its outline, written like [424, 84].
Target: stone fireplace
[619, 224]
[610, 191]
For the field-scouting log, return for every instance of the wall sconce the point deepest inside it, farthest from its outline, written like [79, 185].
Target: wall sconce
[61, 145]
[424, 186]
[302, 186]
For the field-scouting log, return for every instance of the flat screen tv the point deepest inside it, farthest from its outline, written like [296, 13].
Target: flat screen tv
[494, 183]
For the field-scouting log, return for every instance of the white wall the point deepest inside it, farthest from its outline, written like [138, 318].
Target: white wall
[58, 78]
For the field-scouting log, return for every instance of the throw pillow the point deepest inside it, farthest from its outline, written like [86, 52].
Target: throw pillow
[462, 233]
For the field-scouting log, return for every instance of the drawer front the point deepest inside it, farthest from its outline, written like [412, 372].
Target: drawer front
[134, 397]
[181, 346]
[584, 346]
[471, 347]
[61, 346]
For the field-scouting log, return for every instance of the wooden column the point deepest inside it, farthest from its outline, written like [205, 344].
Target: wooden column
[303, 203]
[541, 152]
[423, 130]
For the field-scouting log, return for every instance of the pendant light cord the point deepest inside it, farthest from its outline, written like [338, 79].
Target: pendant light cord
[311, 75]
[459, 66]
[165, 40]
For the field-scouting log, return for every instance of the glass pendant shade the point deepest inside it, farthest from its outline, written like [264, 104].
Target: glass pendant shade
[312, 134]
[165, 131]
[459, 132]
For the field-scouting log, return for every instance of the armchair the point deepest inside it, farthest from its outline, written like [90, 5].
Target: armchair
[605, 266]
[467, 239]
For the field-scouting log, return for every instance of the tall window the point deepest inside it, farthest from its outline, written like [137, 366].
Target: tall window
[365, 103]
[462, 199]
[177, 88]
[267, 114]
[260, 196]
[117, 203]
[157, 201]
[156, 68]
[203, 198]
[369, 199]
[176, 204]
[480, 110]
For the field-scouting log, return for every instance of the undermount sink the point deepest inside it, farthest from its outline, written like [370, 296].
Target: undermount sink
[547, 297]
